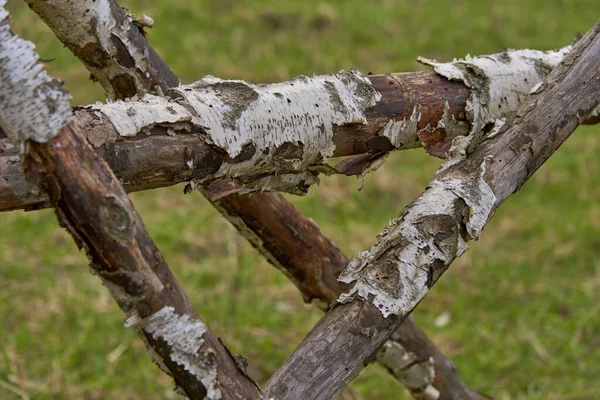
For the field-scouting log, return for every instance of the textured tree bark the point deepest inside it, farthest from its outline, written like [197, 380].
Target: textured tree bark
[390, 279]
[95, 209]
[158, 155]
[296, 246]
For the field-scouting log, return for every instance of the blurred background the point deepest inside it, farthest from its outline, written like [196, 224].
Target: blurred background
[518, 313]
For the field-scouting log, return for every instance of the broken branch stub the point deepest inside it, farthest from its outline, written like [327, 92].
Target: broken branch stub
[91, 204]
[390, 279]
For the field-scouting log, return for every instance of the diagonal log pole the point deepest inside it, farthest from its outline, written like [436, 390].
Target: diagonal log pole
[95, 209]
[313, 263]
[145, 75]
[389, 280]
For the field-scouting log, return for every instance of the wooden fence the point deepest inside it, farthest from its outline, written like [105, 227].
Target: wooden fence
[495, 119]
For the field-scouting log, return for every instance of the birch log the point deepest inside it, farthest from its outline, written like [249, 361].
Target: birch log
[151, 74]
[390, 279]
[156, 142]
[91, 204]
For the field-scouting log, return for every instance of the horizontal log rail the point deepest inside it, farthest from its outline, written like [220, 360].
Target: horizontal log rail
[156, 142]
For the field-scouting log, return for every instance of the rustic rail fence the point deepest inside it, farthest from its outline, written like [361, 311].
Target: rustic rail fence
[495, 119]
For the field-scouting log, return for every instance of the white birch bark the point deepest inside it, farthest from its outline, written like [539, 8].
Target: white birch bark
[498, 82]
[33, 105]
[252, 124]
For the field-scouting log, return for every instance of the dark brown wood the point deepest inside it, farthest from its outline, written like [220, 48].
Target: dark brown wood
[293, 243]
[400, 94]
[91, 204]
[339, 346]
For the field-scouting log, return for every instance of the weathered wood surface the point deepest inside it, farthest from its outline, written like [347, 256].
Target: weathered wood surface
[359, 139]
[95, 209]
[390, 279]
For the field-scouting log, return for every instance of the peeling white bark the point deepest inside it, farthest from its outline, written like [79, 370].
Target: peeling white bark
[254, 123]
[131, 118]
[499, 82]
[595, 113]
[301, 112]
[412, 262]
[449, 123]
[185, 337]
[33, 106]
[402, 132]
[495, 88]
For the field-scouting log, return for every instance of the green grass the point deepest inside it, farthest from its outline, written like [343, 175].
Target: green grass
[523, 301]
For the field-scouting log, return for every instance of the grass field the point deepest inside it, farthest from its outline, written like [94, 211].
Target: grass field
[522, 306]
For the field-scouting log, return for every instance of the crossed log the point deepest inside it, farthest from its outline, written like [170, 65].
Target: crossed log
[218, 135]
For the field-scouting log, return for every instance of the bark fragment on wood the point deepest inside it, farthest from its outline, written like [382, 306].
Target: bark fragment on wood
[494, 81]
[503, 162]
[91, 204]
